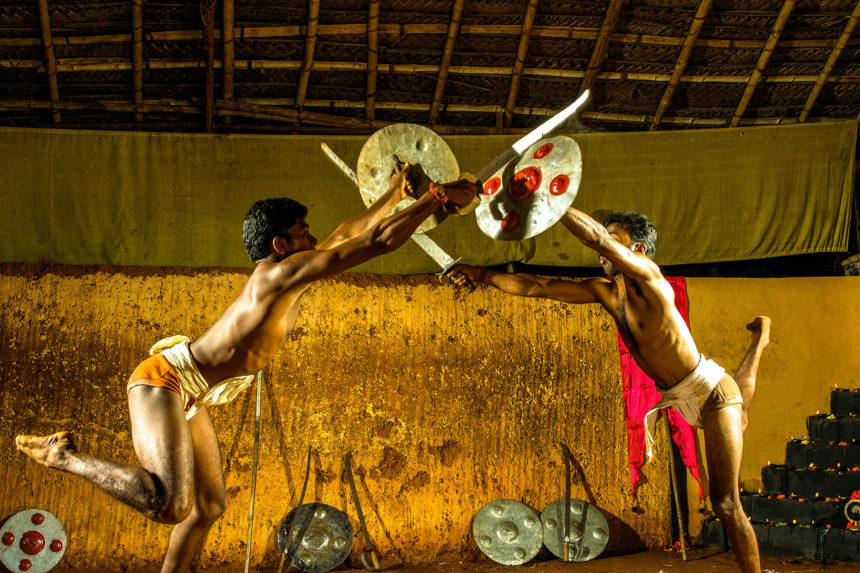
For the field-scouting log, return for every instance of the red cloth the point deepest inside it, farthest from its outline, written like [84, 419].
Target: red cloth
[640, 395]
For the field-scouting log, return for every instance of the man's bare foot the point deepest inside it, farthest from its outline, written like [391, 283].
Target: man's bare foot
[51, 451]
[760, 327]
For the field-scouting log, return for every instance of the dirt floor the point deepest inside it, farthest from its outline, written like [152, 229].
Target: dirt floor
[698, 561]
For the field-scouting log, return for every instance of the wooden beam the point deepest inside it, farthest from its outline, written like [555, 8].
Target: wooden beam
[268, 111]
[50, 62]
[68, 65]
[561, 32]
[310, 46]
[228, 48]
[207, 14]
[137, 54]
[831, 61]
[520, 62]
[447, 53]
[763, 58]
[681, 64]
[601, 46]
[372, 58]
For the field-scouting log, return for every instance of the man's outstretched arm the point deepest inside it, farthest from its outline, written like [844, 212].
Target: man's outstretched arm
[595, 236]
[523, 284]
[381, 208]
[383, 237]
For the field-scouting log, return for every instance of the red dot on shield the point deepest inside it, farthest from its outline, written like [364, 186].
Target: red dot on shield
[525, 182]
[543, 151]
[37, 518]
[559, 184]
[8, 538]
[492, 186]
[56, 546]
[32, 542]
[24, 565]
[511, 221]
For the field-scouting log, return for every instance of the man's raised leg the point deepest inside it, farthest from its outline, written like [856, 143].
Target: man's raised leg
[748, 369]
[723, 448]
[161, 488]
[210, 497]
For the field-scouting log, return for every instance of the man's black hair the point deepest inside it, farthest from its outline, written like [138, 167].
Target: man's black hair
[638, 227]
[267, 219]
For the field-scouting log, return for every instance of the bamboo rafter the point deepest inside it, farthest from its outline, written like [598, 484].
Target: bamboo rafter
[520, 61]
[561, 32]
[601, 46]
[66, 65]
[831, 61]
[207, 17]
[266, 109]
[372, 59]
[228, 49]
[447, 53]
[310, 47]
[763, 58]
[50, 61]
[681, 64]
[137, 54]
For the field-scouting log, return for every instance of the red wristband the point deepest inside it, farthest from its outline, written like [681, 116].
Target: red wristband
[440, 198]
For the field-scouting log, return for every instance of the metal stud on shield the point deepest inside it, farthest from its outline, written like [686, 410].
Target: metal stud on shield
[532, 193]
[32, 540]
[589, 531]
[322, 537]
[508, 532]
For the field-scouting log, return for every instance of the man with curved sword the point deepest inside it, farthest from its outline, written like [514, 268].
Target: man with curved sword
[641, 302]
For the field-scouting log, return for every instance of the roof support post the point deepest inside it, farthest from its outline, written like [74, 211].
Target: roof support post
[601, 46]
[447, 53]
[50, 61]
[372, 58]
[519, 64]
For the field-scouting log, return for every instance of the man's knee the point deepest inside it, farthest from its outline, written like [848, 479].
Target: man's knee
[728, 507]
[173, 511]
[212, 507]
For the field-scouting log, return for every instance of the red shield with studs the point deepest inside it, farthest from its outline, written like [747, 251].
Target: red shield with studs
[32, 540]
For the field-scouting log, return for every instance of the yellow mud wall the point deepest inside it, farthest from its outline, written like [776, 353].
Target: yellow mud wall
[814, 347]
[447, 400]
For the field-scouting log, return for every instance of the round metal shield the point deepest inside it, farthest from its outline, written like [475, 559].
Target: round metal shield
[411, 143]
[589, 531]
[32, 540]
[507, 531]
[322, 538]
[528, 196]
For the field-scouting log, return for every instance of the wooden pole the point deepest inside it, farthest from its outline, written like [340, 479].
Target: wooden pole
[831, 61]
[519, 63]
[137, 55]
[763, 58]
[310, 47]
[372, 58]
[601, 46]
[207, 13]
[229, 49]
[50, 62]
[447, 53]
[681, 64]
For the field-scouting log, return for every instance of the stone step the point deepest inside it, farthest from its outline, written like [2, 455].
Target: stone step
[845, 401]
[809, 483]
[822, 455]
[794, 511]
[792, 540]
[830, 428]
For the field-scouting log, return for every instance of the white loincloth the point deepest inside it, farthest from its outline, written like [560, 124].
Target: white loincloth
[194, 389]
[687, 396]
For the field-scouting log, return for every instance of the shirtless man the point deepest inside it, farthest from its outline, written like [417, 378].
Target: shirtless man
[641, 302]
[180, 480]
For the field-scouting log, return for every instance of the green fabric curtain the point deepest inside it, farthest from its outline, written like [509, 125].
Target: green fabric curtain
[178, 200]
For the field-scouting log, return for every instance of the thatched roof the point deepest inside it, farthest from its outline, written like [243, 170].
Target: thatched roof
[461, 66]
